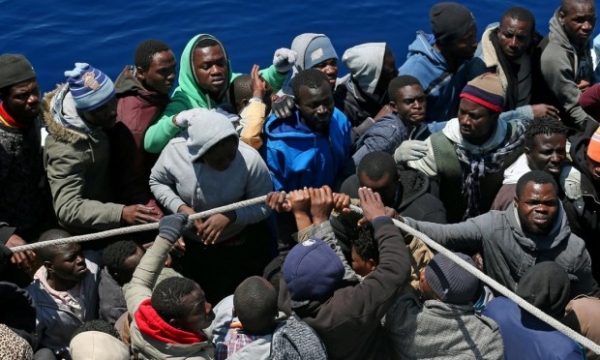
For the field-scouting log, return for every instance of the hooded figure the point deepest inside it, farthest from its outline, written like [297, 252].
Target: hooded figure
[361, 94]
[189, 94]
[180, 177]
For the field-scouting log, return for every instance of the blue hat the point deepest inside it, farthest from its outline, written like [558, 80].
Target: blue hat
[449, 281]
[312, 272]
[90, 87]
[319, 50]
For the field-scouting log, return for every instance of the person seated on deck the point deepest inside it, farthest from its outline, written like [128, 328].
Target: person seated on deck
[98, 340]
[320, 287]
[443, 324]
[533, 229]
[168, 321]
[208, 167]
[545, 286]
[65, 293]
[204, 78]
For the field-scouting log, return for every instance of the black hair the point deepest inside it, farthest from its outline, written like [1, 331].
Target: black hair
[520, 13]
[365, 246]
[565, 4]
[376, 164]
[537, 177]
[399, 82]
[97, 325]
[206, 42]
[312, 78]
[145, 51]
[241, 88]
[545, 125]
[255, 304]
[167, 296]
[47, 253]
[115, 254]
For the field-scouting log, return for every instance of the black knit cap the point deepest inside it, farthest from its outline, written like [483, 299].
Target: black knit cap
[547, 287]
[449, 281]
[450, 21]
[14, 68]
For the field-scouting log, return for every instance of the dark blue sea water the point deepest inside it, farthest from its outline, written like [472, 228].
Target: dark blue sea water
[57, 33]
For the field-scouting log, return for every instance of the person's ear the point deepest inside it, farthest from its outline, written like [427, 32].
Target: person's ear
[174, 323]
[515, 201]
[233, 312]
[371, 265]
[140, 73]
[244, 103]
[393, 106]
[561, 17]
[527, 150]
[48, 266]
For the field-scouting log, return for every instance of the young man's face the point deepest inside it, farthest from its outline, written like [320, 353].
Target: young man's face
[22, 100]
[360, 266]
[411, 103]
[69, 263]
[537, 207]
[201, 314]
[221, 155]
[105, 116]
[160, 76]
[548, 153]
[316, 106]
[579, 20]
[464, 48]
[514, 37]
[476, 122]
[329, 67]
[210, 68]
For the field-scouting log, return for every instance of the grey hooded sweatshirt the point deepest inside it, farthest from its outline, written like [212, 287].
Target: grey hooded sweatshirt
[508, 252]
[178, 178]
[563, 66]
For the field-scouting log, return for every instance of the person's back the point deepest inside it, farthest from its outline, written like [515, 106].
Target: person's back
[439, 61]
[346, 315]
[546, 286]
[445, 325]
[311, 147]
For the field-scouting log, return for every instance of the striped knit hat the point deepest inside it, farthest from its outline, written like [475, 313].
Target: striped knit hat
[593, 151]
[90, 87]
[485, 90]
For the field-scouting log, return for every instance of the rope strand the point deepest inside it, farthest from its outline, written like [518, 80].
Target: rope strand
[432, 244]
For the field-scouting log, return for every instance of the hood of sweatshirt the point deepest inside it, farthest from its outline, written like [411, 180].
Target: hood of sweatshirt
[557, 33]
[365, 63]
[299, 45]
[559, 233]
[423, 45]
[62, 118]
[188, 91]
[207, 128]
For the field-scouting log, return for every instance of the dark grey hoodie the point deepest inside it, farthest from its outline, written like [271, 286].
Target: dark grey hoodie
[508, 252]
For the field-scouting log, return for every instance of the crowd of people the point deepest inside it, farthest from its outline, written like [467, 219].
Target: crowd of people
[490, 147]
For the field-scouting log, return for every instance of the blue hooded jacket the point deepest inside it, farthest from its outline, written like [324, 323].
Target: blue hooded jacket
[298, 157]
[441, 86]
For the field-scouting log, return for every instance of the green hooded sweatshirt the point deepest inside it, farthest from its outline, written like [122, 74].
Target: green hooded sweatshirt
[189, 95]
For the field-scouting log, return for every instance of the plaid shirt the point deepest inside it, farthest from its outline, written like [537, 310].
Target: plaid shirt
[234, 341]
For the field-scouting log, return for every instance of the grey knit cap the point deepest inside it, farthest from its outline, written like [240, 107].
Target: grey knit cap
[450, 282]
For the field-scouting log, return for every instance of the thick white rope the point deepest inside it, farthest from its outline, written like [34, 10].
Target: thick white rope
[432, 244]
[496, 285]
[138, 228]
